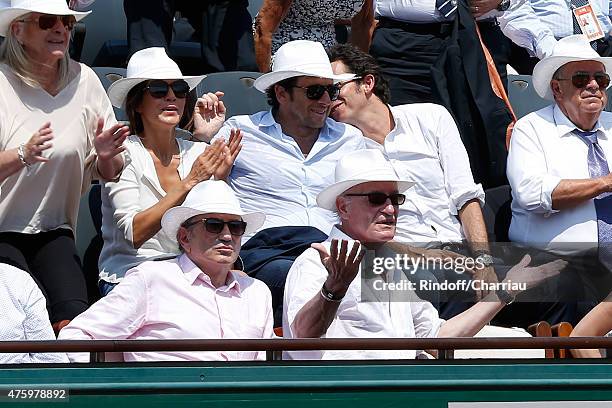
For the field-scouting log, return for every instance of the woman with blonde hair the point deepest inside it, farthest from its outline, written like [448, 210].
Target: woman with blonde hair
[53, 112]
[162, 168]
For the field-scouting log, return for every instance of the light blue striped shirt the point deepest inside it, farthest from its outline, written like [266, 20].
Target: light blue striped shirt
[537, 24]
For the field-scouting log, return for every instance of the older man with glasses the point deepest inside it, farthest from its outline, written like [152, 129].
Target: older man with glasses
[194, 296]
[558, 165]
[288, 156]
[336, 290]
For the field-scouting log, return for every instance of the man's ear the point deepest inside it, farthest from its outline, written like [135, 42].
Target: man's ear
[282, 94]
[182, 236]
[556, 88]
[368, 82]
[343, 206]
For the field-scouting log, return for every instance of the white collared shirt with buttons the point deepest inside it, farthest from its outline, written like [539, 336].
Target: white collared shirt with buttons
[272, 175]
[425, 147]
[543, 151]
[24, 316]
[355, 318]
[137, 189]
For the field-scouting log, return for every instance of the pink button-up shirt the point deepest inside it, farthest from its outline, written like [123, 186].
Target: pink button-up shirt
[174, 299]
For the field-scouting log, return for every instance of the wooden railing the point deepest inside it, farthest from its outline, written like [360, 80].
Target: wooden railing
[274, 346]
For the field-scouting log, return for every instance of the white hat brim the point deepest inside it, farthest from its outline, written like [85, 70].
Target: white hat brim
[327, 198]
[118, 90]
[175, 217]
[544, 70]
[9, 14]
[267, 80]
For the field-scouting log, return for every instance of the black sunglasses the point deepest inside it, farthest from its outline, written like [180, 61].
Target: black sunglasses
[216, 225]
[315, 92]
[582, 79]
[48, 21]
[159, 89]
[377, 198]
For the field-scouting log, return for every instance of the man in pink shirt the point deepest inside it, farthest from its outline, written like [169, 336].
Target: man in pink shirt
[193, 296]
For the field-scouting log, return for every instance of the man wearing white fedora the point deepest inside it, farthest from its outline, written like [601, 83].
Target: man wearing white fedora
[288, 156]
[558, 162]
[195, 295]
[328, 294]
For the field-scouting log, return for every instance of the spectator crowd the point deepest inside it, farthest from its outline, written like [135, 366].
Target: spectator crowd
[383, 141]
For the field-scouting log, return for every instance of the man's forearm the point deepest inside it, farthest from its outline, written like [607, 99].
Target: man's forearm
[315, 317]
[570, 193]
[474, 228]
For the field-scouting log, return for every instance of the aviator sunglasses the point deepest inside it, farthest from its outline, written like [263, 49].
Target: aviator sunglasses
[216, 225]
[582, 79]
[377, 198]
[159, 89]
[48, 21]
[315, 92]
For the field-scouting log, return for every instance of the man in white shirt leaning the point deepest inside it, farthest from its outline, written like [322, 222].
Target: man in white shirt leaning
[326, 293]
[288, 156]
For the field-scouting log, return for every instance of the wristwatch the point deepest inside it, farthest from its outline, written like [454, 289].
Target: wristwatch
[504, 296]
[503, 5]
[329, 295]
[485, 259]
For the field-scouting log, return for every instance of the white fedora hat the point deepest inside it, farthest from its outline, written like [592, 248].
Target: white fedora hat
[211, 196]
[149, 63]
[568, 49]
[18, 8]
[361, 166]
[299, 58]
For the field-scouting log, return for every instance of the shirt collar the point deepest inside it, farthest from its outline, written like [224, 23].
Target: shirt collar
[192, 273]
[565, 126]
[267, 120]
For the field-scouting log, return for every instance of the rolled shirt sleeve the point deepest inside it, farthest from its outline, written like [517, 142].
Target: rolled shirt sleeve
[532, 185]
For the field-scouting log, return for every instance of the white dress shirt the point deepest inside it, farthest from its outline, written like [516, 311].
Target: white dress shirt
[24, 316]
[543, 151]
[354, 318]
[536, 25]
[137, 189]
[272, 175]
[419, 11]
[174, 299]
[425, 147]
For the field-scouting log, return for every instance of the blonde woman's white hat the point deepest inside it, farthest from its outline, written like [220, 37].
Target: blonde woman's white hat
[17, 8]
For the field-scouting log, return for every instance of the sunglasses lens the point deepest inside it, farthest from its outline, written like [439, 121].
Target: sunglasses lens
[158, 89]
[603, 80]
[333, 91]
[398, 199]
[381, 198]
[180, 88]
[315, 92]
[46, 22]
[580, 80]
[214, 225]
[237, 227]
[68, 22]
[377, 198]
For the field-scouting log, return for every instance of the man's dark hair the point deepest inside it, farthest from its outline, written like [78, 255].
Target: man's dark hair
[361, 64]
[271, 93]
